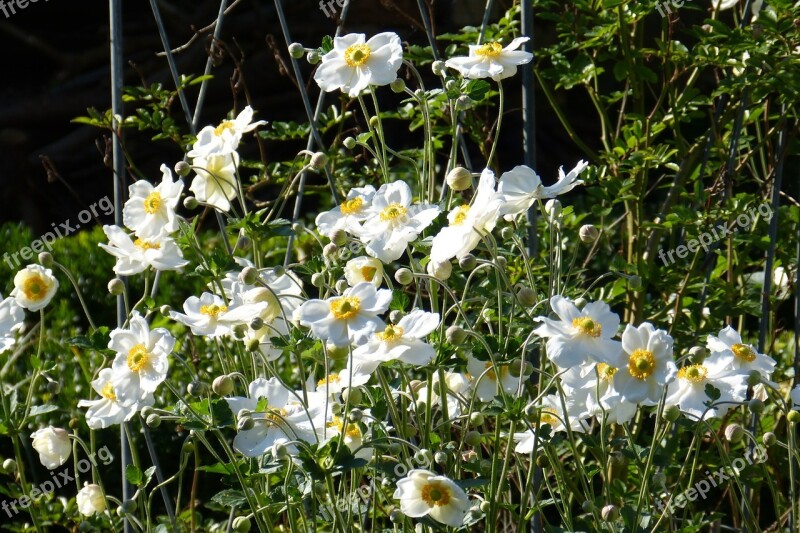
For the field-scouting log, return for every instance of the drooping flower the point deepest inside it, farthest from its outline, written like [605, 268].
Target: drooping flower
[392, 221]
[150, 211]
[224, 138]
[108, 410]
[210, 316]
[521, 186]
[487, 379]
[688, 390]
[353, 64]
[349, 318]
[34, 287]
[491, 60]
[580, 335]
[424, 493]
[53, 445]
[468, 223]
[363, 268]
[401, 342]
[135, 256]
[12, 321]
[348, 215]
[215, 183]
[553, 414]
[142, 360]
[740, 356]
[645, 366]
[90, 499]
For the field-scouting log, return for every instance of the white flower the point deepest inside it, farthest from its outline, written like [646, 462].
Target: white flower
[740, 356]
[91, 500]
[353, 65]
[552, 413]
[108, 410]
[135, 256]
[150, 211]
[210, 316]
[487, 380]
[225, 138]
[392, 222]
[646, 365]
[580, 335]
[349, 318]
[794, 396]
[688, 390]
[520, 187]
[142, 361]
[780, 282]
[457, 386]
[423, 493]
[215, 183]
[592, 384]
[722, 5]
[335, 382]
[34, 287]
[363, 268]
[468, 223]
[348, 215]
[12, 321]
[352, 435]
[53, 446]
[491, 60]
[401, 341]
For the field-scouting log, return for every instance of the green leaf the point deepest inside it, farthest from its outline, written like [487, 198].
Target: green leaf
[42, 409]
[133, 474]
[230, 498]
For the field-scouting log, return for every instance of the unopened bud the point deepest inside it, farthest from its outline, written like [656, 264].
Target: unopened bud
[754, 378]
[190, 202]
[506, 233]
[501, 262]
[257, 323]
[53, 387]
[153, 421]
[588, 233]
[240, 331]
[313, 57]
[318, 279]
[319, 160]
[355, 415]
[793, 416]
[398, 85]
[672, 413]
[609, 512]
[440, 271]
[245, 423]
[755, 405]
[451, 85]
[734, 432]
[222, 385]
[769, 438]
[339, 237]
[116, 287]
[253, 345]
[248, 275]
[241, 524]
[438, 68]
[440, 458]
[404, 276]
[476, 418]
[165, 310]
[519, 368]
[464, 102]
[697, 353]
[459, 179]
[349, 143]
[9, 466]
[635, 282]
[455, 335]
[553, 208]
[395, 316]
[296, 50]
[46, 259]
[329, 251]
[352, 395]
[197, 388]
[182, 168]
[128, 506]
[526, 296]
[473, 438]
[468, 262]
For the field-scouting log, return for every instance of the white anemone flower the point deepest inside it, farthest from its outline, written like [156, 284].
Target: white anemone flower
[349, 318]
[352, 435]
[348, 215]
[688, 390]
[794, 397]
[402, 342]
[210, 316]
[646, 365]
[742, 357]
[90, 499]
[491, 60]
[53, 445]
[12, 321]
[487, 379]
[224, 138]
[135, 256]
[580, 335]
[108, 410]
[552, 413]
[150, 211]
[142, 358]
[215, 183]
[335, 382]
[457, 386]
[424, 493]
[34, 287]
[592, 384]
[468, 223]
[353, 64]
[521, 186]
[392, 221]
[363, 268]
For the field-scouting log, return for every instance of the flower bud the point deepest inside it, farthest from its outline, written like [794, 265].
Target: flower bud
[419, 93]
[635, 282]
[476, 418]
[248, 275]
[396, 516]
[501, 262]
[90, 500]
[769, 438]
[754, 378]
[53, 445]
[243, 242]
[609, 512]
[352, 395]
[464, 102]
[587, 506]
[398, 85]
[697, 353]
[53, 387]
[438, 68]
[374, 121]
[451, 85]
[187, 447]
[252, 345]
[506, 233]
[46, 259]
[9, 466]
[355, 415]
[793, 416]
[222, 385]
[440, 271]
[404, 276]
[468, 262]
[485, 506]
[349, 143]
[197, 388]
[257, 323]
[755, 405]
[440, 458]
[329, 251]
[734, 432]
[459, 179]
[146, 411]
[588, 233]
[241, 524]
[341, 286]
[395, 316]
[190, 202]
[165, 310]
[296, 50]
[672, 413]
[116, 287]
[455, 335]
[318, 279]
[553, 208]
[313, 57]
[182, 168]
[519, 368]
[153, 421]
[526, 296]
[473, 438]
[128, 506]
[339, 237]
[245, 423]
[319, 160]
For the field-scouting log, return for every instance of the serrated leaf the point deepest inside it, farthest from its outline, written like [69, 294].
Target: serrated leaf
[133, 474]
[37, 410]
[229, 498]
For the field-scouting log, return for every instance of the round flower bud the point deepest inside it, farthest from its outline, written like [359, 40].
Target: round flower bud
[588, 233]
[313, 57]
[318, 279]
[404, 276]
[243, 242]
[440, 271]
[468, 262]
[116, 287]
[245, 423]
[734, 432]
[769, 438]
[455, 335]
[182, 168]
[374, 121]
[451, 85]
[319, 160]
[755, 405]
[635, 282]
[486, 466]
[257, 323]
[464, 102]
[398, 85]
[672, 413]
[53, 387]
[395, 316]
[697, 353]
[339, 237]
[153, 421]
[329, 251]
[197, 388]
[46, 259]
[248, 275]
[187, 447]
[476, 418]
[128, 506]
[473, 438]
[146, 411]
[526, 296]
[395, 516]
[419, 93]
[485, 506]
[587, 506]
[440, 458]
[243, 413]
[581, 302]
[459, 179]
[352, 395]
[754, 378]
[222, 385]
[165, 310]
[341, 286]
[349, 143]
[355, 415]
[609, 512]
[253, 344]
[9, 466]
[506, 233]
[241, 524]
[553, 208]
[438, 68]
[501, 262]
[296, 50]
[190, 202]
[519, 368]
[793, 416]
[395, 448]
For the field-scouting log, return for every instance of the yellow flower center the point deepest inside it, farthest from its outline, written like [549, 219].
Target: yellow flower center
[391, 334]
[435, 493]
[549, 418]
[489, 50]
[693, 373]
[357, 54]
[461, 214]
[346, 307]
[331, 379]
[606, 372]
[213, 310]
[368, 272]
[146, 245]
[35, 287]
[223, 126]
[108, 392]
[393, 212]
[744, 352]
[352, 206]
[641, 364]
[491, 374]
[138, 357]
[274, 416]
[353, 431]
[587, 326]
[152, 203]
